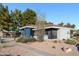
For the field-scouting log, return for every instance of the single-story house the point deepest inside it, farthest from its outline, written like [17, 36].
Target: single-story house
[6, 34]
[51, 31]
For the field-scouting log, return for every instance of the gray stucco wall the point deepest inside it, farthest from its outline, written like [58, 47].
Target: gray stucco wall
[63, 33]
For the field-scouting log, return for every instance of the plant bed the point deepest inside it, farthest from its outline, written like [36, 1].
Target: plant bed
[25, 40]
[71, 41]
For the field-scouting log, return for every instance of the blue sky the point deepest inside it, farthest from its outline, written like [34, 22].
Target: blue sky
[54, 12]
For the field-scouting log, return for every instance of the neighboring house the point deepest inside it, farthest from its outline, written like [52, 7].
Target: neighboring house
[6, 34]
[51, 31]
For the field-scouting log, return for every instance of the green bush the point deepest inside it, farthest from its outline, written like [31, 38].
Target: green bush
[22, 39]
[25, 40]
[31, 39]
[71, 41]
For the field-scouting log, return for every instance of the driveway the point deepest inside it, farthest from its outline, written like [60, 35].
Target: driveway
[22, 50]
[33, 50]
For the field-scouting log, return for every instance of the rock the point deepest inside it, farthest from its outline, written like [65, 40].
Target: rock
[68, 50]
[53, 47]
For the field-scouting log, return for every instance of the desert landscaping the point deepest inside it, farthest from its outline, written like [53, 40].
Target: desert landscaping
[28, 32]
[46, 48]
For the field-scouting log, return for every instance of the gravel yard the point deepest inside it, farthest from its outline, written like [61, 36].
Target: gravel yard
[47, 47]
[38, 49]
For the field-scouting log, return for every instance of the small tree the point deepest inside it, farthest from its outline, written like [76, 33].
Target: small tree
[40, 23]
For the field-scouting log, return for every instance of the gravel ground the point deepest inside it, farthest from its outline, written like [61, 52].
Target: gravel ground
[38, 49]
[13, 49]
[47, 47]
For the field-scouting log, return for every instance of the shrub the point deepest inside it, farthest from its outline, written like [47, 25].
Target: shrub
[25, 40]
[21, 39]
[31, 39]
[71, 41]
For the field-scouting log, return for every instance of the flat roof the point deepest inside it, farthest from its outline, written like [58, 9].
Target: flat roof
[28, 26]
[34, 27]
